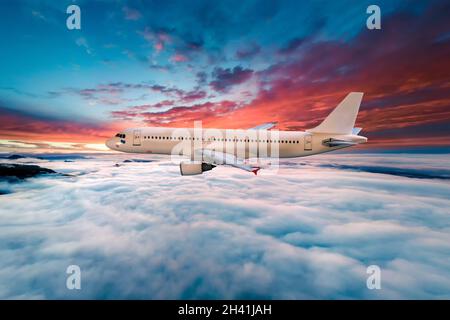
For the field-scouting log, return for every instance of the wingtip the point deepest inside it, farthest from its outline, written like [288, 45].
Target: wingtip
[255, 171]
[357, 93]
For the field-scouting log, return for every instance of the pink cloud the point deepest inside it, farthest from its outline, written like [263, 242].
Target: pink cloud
[159, 39]
[178, 58]
[159, 46]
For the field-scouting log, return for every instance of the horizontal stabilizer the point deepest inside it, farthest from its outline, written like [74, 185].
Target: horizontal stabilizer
[338, 143]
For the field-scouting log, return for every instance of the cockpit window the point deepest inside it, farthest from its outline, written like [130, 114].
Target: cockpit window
[120, 135]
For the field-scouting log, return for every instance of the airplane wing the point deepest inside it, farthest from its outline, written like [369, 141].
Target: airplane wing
[265, 126]
[221, 158]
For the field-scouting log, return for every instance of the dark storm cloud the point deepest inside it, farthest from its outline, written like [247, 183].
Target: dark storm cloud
[201, 78]
[292, 45]
[224, 79]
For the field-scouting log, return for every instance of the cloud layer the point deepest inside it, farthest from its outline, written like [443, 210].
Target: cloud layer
[140, 230]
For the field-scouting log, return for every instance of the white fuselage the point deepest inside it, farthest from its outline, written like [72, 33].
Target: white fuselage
[240, 143]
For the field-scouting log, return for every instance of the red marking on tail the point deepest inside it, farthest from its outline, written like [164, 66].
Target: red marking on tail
[255, 171]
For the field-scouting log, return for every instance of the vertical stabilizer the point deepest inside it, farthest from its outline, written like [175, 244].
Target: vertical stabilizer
[342, 119]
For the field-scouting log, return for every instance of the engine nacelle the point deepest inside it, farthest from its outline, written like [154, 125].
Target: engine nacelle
[194, 167]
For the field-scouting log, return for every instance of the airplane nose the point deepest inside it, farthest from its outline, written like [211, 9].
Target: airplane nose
[110, 143]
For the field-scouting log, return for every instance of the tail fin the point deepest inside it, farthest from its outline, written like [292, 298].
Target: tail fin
[342, 119]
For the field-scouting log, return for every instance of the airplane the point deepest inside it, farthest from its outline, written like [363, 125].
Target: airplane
[208, 148]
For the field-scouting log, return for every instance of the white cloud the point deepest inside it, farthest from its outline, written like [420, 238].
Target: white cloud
[38, 15]
[82, 42]
[142, 231]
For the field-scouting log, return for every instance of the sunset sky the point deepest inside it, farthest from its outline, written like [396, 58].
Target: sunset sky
[231, 64]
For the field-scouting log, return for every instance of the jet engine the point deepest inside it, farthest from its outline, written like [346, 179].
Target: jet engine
[194, 167]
